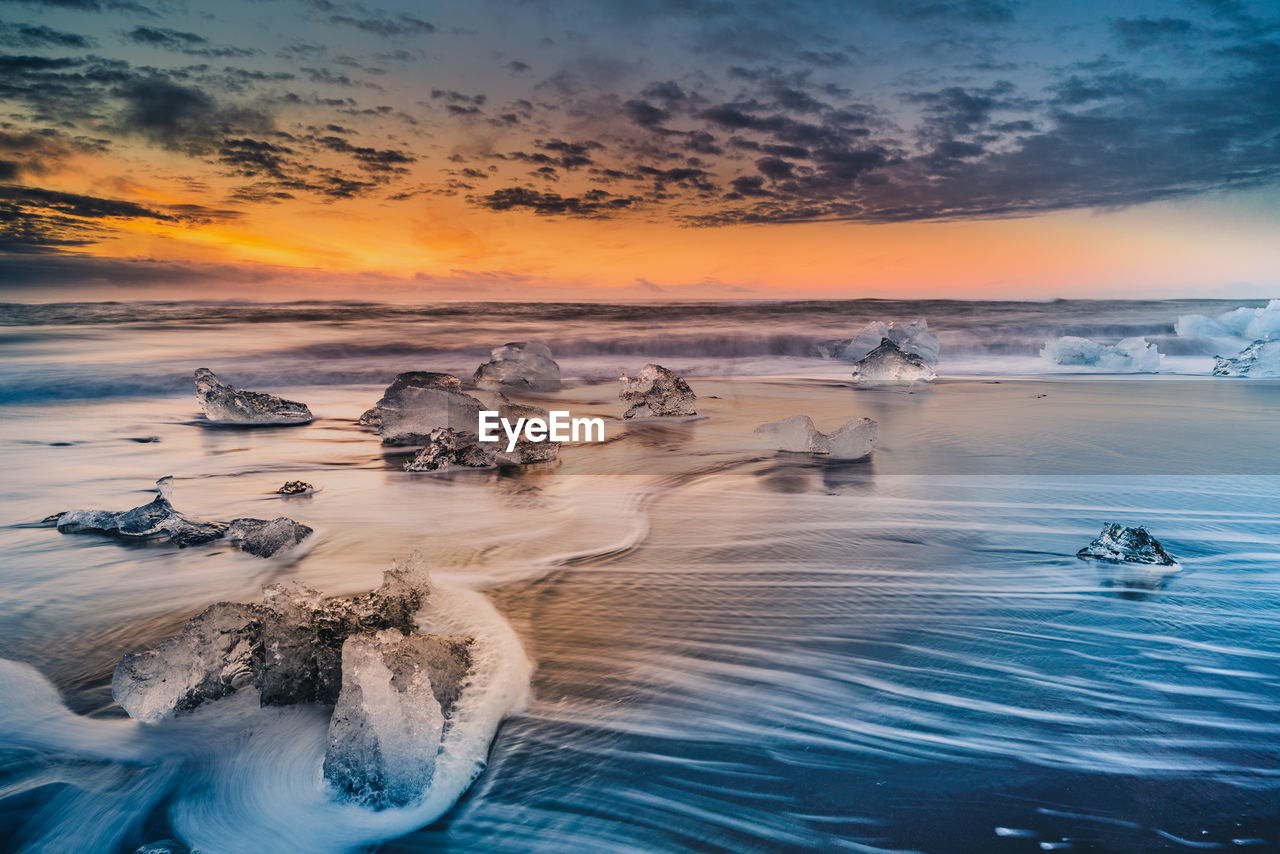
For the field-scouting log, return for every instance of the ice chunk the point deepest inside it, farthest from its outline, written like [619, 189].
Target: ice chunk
[887, 363]
[915, 337]
[656, 391]
[1129, 355]
[405, 588]
[1265, 324]
[1200, 326]
[796, 433]
[157, 521]
[387, 724]
[912, 337]
[226, 405]
[210, 658]
[1120, 544]
[1248, 323]
[1259, 359]
[264, 539]
[295, 487]
[409, 379]
[302, 632]
[867, 339]
[418, 402]
[521, 365]
[289, 647]
[450, 449]
[299, 647]
[852, 441]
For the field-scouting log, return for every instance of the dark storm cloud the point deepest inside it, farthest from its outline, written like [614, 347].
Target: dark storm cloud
[775, 168]
[793, 143]
[166, 38]
[282, 170]
[957, 110]
[177, 109]
[36, 220]
[451, 97]
[400, 25]
[1109, 140]
[558, 152]
[703, 111]
[89, 5]
[644, 114]
[368, 158]
[37, 153]
[183, 118]
[71, 204]
[329, 78]
[590, 205]
[32, 36]
[179, 41]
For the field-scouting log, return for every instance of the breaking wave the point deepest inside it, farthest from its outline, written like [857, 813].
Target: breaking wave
[77, 352]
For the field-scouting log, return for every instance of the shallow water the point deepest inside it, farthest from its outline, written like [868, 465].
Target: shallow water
[733, 649]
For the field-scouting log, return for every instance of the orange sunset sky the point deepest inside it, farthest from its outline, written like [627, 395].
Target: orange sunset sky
[637, 151]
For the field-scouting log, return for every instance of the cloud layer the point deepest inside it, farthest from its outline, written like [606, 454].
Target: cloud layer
[703, 113]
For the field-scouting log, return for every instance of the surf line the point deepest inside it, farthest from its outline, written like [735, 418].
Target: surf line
[558, 426]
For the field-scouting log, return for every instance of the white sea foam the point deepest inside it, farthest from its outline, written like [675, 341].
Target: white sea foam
[250, 778]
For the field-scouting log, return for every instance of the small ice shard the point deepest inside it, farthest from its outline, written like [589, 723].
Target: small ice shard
[1259, 359]
[889, 363]
[223, 404]
[210, 658]
[263, 539]
[163, 846]
[389, 718]
[796, 433]
[289, 647]
[852, 441]
[157, 521]
[526, 450]
[656, 391]
[1129, 355]
[418, 402]
[912, 337]
[449, 449]
[1120, 544]
[521, 365]
[295, 487]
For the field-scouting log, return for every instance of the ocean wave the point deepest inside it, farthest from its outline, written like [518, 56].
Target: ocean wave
[69, 351]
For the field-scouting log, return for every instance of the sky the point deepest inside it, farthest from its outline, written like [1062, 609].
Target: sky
[639, 149]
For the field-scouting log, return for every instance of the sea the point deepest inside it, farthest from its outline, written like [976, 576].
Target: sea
[691, 642]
